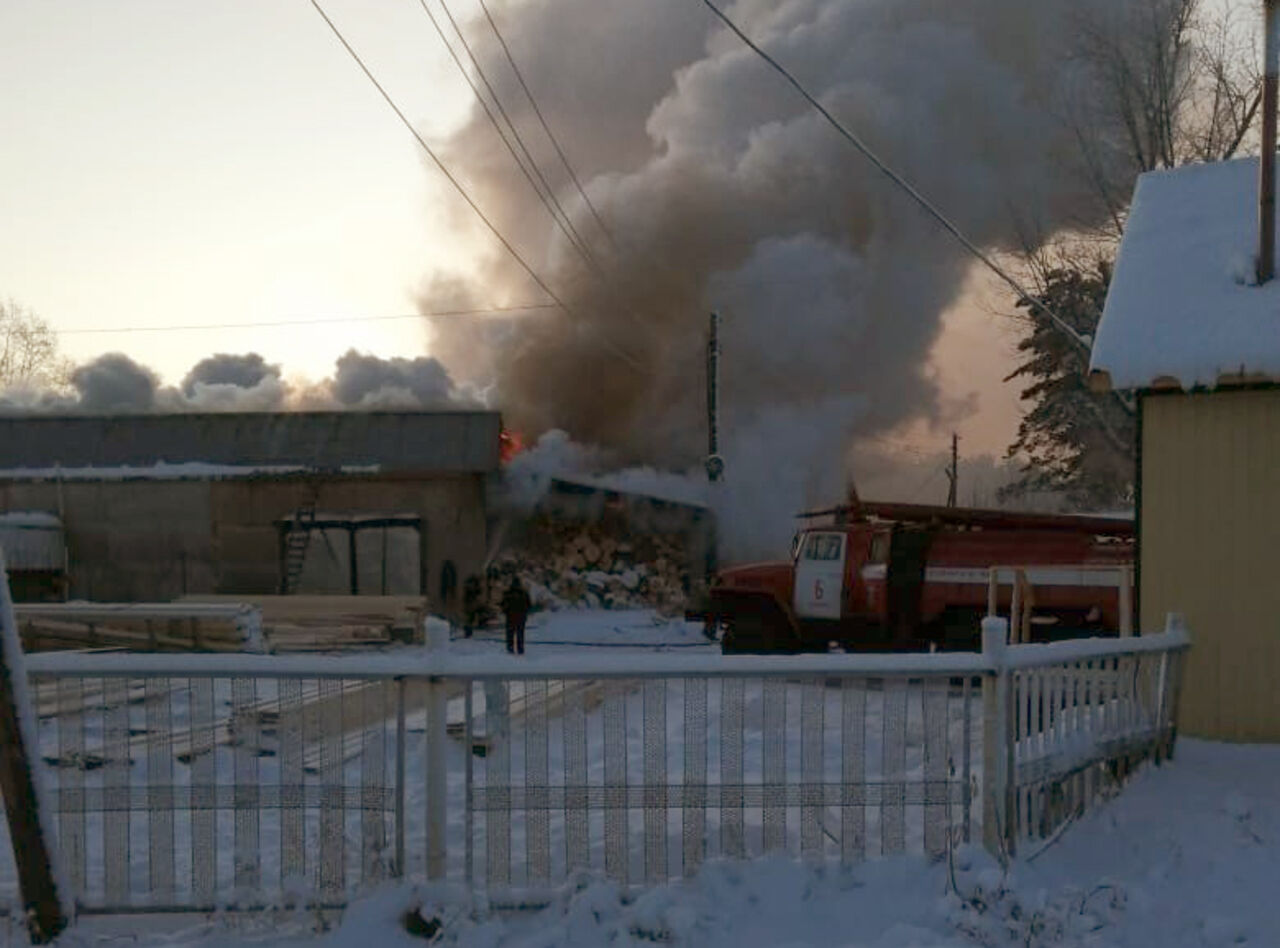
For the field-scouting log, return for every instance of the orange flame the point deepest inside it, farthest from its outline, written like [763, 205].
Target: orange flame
[510, 443]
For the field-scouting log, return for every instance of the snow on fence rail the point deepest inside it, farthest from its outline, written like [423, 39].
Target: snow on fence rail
[193, 781]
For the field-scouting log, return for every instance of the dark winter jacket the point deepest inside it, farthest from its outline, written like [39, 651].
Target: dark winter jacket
[515, 602]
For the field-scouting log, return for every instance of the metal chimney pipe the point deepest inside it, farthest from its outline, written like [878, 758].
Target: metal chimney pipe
[1267, 152]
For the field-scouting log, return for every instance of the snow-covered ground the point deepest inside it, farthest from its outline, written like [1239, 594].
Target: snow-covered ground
[571, 631]
[1188, 856]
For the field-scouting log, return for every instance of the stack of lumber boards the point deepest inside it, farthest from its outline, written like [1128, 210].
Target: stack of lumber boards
[230, 626]
[328, 623]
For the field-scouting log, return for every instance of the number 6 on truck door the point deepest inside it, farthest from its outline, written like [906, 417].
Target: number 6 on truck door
[819, 576]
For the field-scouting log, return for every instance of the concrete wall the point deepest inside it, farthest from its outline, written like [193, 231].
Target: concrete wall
[455, 441]
[159, 539]
[244, 512]
[128, 540]
[1209, 534]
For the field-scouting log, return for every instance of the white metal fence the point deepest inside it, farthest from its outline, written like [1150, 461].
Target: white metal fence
[192, 781]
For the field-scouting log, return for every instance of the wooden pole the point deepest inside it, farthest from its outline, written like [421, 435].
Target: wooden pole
[998, 835]
[31, 853]
[1267, 157]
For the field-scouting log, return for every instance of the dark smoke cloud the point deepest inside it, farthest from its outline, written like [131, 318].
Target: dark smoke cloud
[722, 189]
[242, 371]
[369, 382]
[115, 383]
[226, 382]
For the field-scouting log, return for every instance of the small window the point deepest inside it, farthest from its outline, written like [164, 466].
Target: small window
[880, 548]
[824, 546]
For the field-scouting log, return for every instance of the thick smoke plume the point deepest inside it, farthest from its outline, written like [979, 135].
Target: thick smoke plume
[369, 382]
[721, 189]
[115, 383]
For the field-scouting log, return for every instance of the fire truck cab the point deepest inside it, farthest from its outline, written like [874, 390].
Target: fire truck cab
[911, 577]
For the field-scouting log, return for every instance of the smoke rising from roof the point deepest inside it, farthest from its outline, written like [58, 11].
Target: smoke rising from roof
[242, 371]
[367, 381]
[115, 383]
[723, 190]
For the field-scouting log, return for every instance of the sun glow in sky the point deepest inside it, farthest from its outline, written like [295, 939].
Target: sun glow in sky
[170, 164]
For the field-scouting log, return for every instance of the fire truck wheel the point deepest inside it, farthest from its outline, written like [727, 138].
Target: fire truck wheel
[746, 633]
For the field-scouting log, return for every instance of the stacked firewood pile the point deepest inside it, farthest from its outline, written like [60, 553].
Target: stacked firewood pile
[596, 565]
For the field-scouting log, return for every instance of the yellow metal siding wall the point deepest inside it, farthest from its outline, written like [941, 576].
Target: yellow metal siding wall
[1211, 550]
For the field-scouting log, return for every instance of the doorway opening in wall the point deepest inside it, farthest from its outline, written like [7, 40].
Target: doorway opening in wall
[369, 554]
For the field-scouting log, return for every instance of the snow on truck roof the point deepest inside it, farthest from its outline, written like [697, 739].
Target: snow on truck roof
[1183, 310]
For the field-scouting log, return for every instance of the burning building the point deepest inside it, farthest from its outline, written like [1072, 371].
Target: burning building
[156, 506]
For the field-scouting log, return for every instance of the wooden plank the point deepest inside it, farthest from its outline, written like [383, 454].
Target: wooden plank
[31, 850]
[160, 794]
[937, 810]
[332, 811]
[293, 856]
[853, 743]
[70, 692]
[204, 839]
[116, 783]
[894, 764]
[248, 872]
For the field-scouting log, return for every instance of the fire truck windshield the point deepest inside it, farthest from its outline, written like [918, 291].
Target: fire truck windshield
[824, 546]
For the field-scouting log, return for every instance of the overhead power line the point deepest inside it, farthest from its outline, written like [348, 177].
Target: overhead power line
[320, 321]
[544, 192]
[613, 347]
[903, 183]
[514, 131]
[555, 142]
[493, 229]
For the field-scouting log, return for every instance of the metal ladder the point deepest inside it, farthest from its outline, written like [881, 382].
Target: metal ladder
[298, 540]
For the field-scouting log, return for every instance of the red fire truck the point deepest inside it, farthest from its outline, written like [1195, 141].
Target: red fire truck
[885, 576]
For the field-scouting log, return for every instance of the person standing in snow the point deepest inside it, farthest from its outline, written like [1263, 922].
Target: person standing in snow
[471, 595]
[515, 606]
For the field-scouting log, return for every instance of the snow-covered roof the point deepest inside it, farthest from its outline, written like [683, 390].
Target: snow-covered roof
[30, 520]
[165, 471]
[647, 483]
[1183, 310]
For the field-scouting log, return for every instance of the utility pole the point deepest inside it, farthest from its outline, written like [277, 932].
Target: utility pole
[1267, 158]
[715, 463]
[953, 470]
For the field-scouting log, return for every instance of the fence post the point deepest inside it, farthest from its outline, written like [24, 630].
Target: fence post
[1172, 690]
[437, 636]
[997, 748]
[400, 778]
[32, 853]
[1126, 601]
[1015, 608]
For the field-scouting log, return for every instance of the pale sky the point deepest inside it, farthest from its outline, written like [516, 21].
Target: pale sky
[172, 163]
[182, 163]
